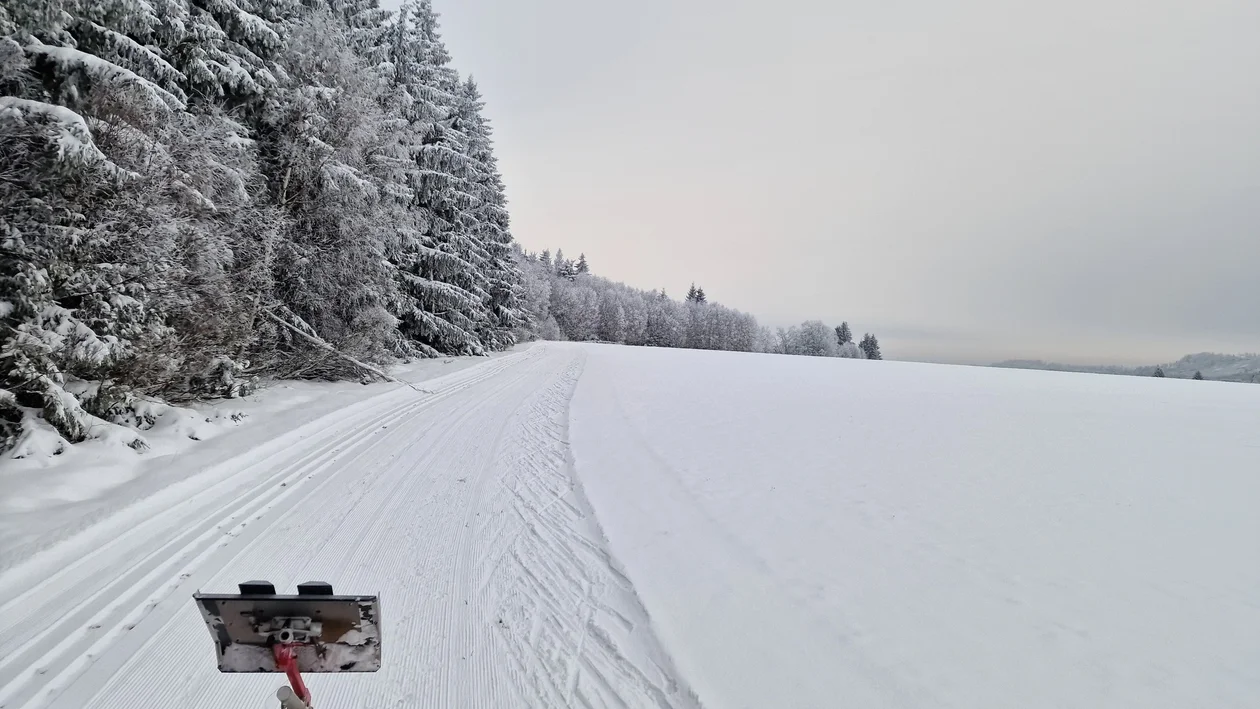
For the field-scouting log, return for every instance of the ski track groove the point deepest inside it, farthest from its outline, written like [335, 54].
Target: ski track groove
[461, 509]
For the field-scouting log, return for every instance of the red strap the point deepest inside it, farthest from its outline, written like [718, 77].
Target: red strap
[286, 661]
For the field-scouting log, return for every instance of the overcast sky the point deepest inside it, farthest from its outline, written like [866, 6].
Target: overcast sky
[972, 180]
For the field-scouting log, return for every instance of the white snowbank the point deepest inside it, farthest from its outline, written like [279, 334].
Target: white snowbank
[824, 533]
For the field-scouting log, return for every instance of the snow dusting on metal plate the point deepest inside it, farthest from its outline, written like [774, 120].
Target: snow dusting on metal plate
[348, 637]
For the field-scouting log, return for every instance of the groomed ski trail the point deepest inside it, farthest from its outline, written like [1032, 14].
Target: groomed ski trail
[459, 507]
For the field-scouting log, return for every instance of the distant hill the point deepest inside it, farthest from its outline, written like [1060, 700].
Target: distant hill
[1220, 367]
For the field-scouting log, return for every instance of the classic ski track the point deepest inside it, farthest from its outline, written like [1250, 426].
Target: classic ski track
[309, 431]
[461, 509]
[82, 620]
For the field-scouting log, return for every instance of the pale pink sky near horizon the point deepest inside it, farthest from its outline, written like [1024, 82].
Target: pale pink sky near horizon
[972, 180]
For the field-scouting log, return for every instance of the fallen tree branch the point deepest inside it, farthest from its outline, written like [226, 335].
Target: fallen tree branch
[323, 345]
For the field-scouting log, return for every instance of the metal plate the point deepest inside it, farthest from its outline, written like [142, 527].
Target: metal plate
[349, 641]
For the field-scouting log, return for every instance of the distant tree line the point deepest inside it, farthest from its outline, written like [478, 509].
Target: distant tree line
[1199, 367]
[566, 301]
[1159, 373]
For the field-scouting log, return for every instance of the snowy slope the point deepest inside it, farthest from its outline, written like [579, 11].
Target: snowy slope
[822, 533]
[603, 526]
[458, 507]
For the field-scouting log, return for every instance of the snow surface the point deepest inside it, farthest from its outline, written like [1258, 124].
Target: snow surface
[810, 532]
[604, 526]
[458, 507]
[46, 498]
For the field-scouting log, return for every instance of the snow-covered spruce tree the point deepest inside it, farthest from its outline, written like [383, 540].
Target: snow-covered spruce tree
[565, 268]
[870, 347]
[843, 334]
[441, 267]
[220, 237]
[112, 228]
[320, 132]
[228, 56]
[70, 309]
[367, 29]
[489, 208]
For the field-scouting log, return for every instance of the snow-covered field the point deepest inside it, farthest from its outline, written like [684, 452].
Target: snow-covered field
[800, 532]
[824, 533]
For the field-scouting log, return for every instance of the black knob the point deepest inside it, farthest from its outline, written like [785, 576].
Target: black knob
[315, 588]
[258, 588]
